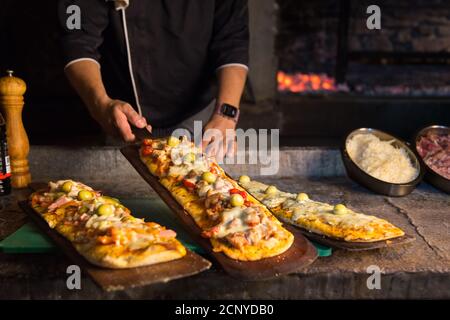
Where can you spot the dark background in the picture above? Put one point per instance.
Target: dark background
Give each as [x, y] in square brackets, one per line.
[53, 113]
[290, 35]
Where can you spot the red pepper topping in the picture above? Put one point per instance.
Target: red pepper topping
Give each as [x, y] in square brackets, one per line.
[188, 184]
[237, 191]
[214, 168]
[147, 142]
[147, 150]
[248, 203]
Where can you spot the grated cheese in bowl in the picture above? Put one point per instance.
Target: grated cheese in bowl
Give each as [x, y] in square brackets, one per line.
[381, 159]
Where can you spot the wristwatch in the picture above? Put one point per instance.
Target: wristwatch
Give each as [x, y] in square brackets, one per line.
[228, 111]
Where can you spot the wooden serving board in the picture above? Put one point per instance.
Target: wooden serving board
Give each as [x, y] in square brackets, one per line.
[121, 279]
[355, 246]
[351, 246]
[301, 254]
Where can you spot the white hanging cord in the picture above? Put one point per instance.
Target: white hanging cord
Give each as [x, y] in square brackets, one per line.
[130, 65]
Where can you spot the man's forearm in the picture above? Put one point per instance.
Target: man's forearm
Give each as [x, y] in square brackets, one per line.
[86, 79]
[231, 85]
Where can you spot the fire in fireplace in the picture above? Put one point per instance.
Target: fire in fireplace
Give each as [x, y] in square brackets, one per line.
[309, 83]
[324, 47]
[301, 82]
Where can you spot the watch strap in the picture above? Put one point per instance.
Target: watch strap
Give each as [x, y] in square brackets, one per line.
[220, 111]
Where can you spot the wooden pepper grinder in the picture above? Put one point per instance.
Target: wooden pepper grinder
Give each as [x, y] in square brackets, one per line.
[12, 90]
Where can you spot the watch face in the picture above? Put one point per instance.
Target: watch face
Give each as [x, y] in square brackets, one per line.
[229, 110]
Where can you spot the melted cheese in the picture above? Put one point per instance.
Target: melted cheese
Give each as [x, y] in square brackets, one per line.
[222, 186]
[317, 210]
[76, 187]
[232, 222]
[321, 217]
[270, 200]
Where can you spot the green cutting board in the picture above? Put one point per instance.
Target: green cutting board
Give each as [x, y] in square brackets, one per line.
[29, 239]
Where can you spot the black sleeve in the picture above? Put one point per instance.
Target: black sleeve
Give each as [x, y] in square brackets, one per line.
[83, 43]
[230, 40]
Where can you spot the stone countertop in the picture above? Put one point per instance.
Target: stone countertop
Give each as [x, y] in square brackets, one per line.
[420, 269]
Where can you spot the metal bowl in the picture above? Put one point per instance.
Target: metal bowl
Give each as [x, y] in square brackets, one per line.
[372, 183]
[431, 176]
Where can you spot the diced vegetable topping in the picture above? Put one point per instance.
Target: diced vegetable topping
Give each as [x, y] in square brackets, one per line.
[147, 142]
[147, 150]
[240, 192]
[59, 195]
[188, 184]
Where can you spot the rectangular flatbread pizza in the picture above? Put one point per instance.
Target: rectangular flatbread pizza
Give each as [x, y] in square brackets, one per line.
[103, 230]
[338, 222]
[235, 222]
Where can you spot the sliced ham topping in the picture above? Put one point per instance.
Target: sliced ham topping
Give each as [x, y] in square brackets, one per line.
[58, 203]
[167, 234]
[435, 151]
[237, 240]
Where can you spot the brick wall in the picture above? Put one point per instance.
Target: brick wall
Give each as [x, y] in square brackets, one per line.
[406, 25]
[307, 35]
[307, 42]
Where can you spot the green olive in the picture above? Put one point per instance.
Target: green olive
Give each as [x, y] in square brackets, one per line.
[209, 177]
[271, 190]
[236, 200]
[106, 209]
[85, 195]
[59, 195]
[67, 186]
[83, 210]
[110, 200]
[302, 196]
[339, 209]
[190, 157]
[173, 141]
[244, 179]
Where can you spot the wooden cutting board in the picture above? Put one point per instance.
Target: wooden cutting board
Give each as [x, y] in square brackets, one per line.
[352, 246]
[356, 246]
[121, 279]
[301, 254]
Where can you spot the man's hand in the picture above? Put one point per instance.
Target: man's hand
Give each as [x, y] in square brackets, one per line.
[221, 141]
[116, 117]
[219, 137]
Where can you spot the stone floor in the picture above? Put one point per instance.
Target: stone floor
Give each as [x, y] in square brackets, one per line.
[420, 269]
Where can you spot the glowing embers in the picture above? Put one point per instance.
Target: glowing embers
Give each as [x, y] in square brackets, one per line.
[305, 83]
